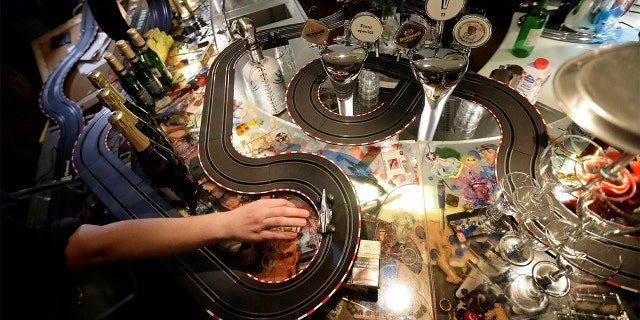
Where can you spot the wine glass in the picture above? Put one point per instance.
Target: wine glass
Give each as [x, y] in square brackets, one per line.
[565, 165]
[580, 258]
[596, 214]
[343, 61]
[518, 247]
[525, 296]
[492, 218]
[610, 207]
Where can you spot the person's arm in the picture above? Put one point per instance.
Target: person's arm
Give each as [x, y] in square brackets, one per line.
[161, 237]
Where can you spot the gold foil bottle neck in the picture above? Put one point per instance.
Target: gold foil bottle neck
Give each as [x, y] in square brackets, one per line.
[110, 100]
[137, 39]
[126, 50]
[136, 139]
[98, 79]
[115, 65]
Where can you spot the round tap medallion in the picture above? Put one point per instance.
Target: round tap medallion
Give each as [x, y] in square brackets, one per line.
[409, 35]
[366, 27]
[472, 31]
[441, 10]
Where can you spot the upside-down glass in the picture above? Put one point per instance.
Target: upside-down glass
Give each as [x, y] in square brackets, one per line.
[516, 247]
[579, 258]
[438, 70]
[564, 167]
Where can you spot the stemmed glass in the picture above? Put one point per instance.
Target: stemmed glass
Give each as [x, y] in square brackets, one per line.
[529, 292]
[518, 247]
[438, 70]
[499, 216]
[607, 191]
[343, 63]
[610, 205]
[579, 258]
[564, 166]
[525, 295]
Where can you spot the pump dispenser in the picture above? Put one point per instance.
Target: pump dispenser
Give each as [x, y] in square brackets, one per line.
[262, 74]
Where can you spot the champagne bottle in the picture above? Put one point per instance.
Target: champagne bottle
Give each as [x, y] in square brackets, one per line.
[140, 70]
[163, 167]
[150, 58]
[531, 30]
[151, 130]
[130, 84]
[99, 81]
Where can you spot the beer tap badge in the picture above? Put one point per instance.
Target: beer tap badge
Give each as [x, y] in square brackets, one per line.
[315, 31]
[366, 27]
[472, 31]
[441, 10]
[409, 35]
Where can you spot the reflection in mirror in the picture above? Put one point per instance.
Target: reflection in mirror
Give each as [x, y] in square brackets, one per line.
[460, 120]
[372, 91]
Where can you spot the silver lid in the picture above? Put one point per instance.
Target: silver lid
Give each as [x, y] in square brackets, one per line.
[600, 91]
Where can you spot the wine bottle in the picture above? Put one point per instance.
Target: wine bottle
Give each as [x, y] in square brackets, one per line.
[162, 166]
[140, 70]
[531, 30]
[151, 130]
[99, 81]
[130, 84]
[150, 58]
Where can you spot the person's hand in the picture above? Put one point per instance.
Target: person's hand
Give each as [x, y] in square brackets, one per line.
[258, 220]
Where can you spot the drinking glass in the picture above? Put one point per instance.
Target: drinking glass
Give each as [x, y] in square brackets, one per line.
[438, 70]
[579, 258]
[565, 165]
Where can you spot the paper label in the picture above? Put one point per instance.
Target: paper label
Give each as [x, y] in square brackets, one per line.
[366, 27]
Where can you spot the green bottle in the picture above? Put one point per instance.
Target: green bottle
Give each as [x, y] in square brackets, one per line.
[151, 59]
[130, 84]
[141, 71]
[531, 30]
[151, 130]
[99, 81]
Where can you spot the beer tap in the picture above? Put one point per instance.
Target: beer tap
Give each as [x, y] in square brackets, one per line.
[343, 61]
[439, 69]
[440, 11]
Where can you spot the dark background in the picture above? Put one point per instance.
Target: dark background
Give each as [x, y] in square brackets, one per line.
[22, 121]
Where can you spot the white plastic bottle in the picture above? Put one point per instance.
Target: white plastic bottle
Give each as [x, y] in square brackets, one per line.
[534, 76]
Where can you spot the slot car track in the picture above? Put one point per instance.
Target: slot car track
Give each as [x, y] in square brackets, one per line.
[305, 173]
[307, 111]
[55, 105]
[208, 274]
